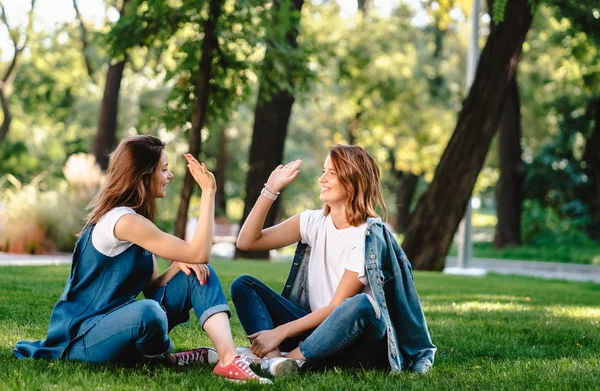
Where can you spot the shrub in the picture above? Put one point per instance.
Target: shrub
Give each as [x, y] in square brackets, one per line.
[38, 221]
[544, 227]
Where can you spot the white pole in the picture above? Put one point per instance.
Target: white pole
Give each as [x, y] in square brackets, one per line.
[465, 247]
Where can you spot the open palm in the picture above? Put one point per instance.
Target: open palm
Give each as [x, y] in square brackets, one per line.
[284, 175]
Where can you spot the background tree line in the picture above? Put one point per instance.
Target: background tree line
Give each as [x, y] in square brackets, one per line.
[248, 84]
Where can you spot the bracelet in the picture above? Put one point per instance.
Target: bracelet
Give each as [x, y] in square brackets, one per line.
[268, 194]
[271, 190]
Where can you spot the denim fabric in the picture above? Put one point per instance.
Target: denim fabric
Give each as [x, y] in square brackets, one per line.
[140, 328]
[261, 308]
[353, 335]
[97, 285]
[361, 340]
[396, 299]
[125, 335]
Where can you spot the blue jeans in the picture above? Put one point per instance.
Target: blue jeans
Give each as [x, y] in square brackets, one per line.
[140, 329]
[352, 335]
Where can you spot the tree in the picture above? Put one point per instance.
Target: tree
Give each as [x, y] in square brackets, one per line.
[279, 77]
[509, 189]
[19, 40]
[209, 45]
[106, 137]
[591, 157]
[441, 208]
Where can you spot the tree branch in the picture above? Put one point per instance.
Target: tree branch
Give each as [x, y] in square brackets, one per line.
[84, 41]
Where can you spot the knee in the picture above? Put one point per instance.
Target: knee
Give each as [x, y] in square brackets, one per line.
[241, 284]
[361, 305]
[152, 315]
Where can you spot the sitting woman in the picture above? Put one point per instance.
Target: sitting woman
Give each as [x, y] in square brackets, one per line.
[97, 318]
[350, 299]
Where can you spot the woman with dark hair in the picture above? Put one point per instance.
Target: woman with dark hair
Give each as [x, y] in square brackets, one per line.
[350, 299]
[97, 318]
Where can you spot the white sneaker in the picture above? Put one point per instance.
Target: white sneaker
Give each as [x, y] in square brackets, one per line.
[246, 352]
[280, 366]
[300, 362]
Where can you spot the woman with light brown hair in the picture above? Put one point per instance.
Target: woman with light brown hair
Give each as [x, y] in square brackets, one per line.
[349, 299]
[97, 318]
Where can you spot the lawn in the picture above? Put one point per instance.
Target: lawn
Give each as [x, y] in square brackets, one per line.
[584, 254]
[497, 332]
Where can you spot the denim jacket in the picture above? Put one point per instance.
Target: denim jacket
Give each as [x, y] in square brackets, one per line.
[396, 299]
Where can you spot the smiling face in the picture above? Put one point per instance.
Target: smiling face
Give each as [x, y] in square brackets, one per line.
[161, 176]
[332, 190]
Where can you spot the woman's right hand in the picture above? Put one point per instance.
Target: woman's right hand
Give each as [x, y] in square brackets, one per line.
[284, 175]
[204, 178]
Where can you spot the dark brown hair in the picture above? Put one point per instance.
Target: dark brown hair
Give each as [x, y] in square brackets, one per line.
[359, 175]
[129, 178]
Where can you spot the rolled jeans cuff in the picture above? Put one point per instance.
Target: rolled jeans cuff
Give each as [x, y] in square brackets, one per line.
[211, 311]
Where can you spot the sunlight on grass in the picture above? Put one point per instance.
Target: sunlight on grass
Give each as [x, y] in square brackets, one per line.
[479, 306]
[577, 312]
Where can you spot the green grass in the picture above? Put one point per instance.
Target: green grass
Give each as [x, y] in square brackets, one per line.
[496, 332]
[588, 255]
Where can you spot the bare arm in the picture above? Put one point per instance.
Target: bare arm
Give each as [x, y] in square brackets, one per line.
[266, 341]
[157, 280]
[141, 231]
[252, 236]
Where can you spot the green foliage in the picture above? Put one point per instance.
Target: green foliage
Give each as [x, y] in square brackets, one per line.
[545, 227]
[566, 253]
[499, 7]
[497, 332]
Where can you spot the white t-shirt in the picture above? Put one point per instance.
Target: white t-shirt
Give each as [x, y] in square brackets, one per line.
[103, 237]
[333, 251]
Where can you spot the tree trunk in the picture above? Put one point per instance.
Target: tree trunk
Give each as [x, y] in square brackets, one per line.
[406, 187]
[363, 6]
[440, 210]
[271, 119]
[6, 110]
[106, 136]
[222, 162]
[591, 157]
[209, 45]
[509, 190]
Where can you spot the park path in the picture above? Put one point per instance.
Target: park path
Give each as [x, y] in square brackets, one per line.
[548, 270]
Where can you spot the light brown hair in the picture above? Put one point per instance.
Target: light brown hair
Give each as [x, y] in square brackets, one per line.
[129, 178]
[359, 175]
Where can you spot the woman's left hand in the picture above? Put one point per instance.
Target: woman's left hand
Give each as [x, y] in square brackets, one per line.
[201, 271]
[265, 341]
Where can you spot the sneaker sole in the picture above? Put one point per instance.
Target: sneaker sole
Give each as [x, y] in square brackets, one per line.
[237, 381]
[287, 367]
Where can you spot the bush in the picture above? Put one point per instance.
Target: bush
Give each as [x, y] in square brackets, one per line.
[544, 227]
[38, 221]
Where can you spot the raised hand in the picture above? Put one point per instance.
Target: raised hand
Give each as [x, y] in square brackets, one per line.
[284, 175]
[204, 178]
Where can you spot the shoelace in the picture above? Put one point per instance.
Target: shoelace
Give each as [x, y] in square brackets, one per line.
[191, 358]
[242, 363]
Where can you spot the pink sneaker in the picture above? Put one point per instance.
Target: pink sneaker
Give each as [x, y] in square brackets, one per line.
[238, 371]
[196, 356]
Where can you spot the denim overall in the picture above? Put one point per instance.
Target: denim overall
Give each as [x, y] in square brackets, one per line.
[101, 292]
